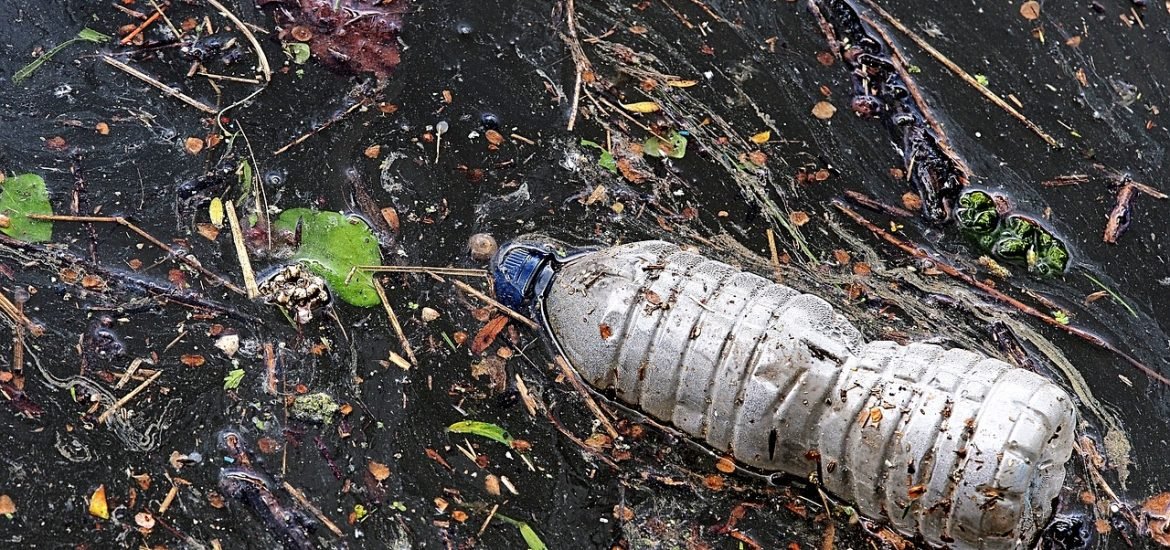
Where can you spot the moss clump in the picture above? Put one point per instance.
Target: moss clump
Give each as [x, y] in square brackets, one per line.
[314, 407]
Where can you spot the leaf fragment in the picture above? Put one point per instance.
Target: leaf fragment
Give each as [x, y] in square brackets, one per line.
[332, 244]
[21, 196]
[762, 137]
[380, 471]
[824, 110]
[233, 379]
[97, 503]
[482, 429]
[642, 107]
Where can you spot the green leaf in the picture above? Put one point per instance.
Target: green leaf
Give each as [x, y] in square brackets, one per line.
[85, 34]
[675, 148]
[1060, 317]
[482, 429]
[244, 170]
[606, 160]
[233, 379]
[530, 537]
[331, 245]
[298, 51]
[982, 80]
[20, 196]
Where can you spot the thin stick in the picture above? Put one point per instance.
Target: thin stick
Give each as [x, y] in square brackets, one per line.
[166, 503]
[129, 372]
[316, 512]
[589, 401]
[631, 118]
[950, 65]
[247, 34]
[454, 271]
[318, 129]
[491, 514]
[876, 205]
[270, 368]
[126, 398]
[577, 441]
[186, 259]
[491, 301]
[17, 315]
[167, 90]
[998, 295]
[158, 9]
[394, 322]
[228, 78]
[775, 255]
[579, 59]
[138, 30]
[242, 251]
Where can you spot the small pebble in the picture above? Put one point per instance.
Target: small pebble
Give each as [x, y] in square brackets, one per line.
[429, 314]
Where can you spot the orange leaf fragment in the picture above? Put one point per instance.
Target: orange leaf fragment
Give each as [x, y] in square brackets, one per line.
[798, 218]
[193, 145]
[97, 503]
[192, 360]
[1030, 10]
[605, 331]
[487, 334]
[378, 470]
[824, 110]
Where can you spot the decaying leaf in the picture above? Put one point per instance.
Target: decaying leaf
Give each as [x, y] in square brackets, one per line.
[486, 335]
[642, 107]
[7, 507]
[824, 110]
[363, 43]
[97, 503]
[331, 245]
[378, 470]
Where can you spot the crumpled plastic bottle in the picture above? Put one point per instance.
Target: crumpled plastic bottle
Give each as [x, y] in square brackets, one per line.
[950, 445]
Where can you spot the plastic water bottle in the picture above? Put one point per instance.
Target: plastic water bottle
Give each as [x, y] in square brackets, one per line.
[950, 445]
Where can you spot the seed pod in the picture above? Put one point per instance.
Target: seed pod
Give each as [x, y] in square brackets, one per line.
[950, 445]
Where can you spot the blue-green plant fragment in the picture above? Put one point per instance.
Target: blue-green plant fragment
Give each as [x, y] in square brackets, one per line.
[606, 160]
[84, 35]
[482, 429]
[331, 245]
[20, 196]
[298, 51]
[530, 537]
[674, 147]
[1013, 238]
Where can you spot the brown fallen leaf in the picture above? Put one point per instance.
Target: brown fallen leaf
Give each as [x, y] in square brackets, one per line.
[494, 138]
[798, 218]
[1157, 511]
[372, 152]
[605, 331]
[911, 201]
[725, 464]
[102, 128]
[192, 360]
[378, 470]
[207, 231]
[7, 507]
[193, 145]
[824, 110]
[487, 334]
[642, 107]
[682, 83]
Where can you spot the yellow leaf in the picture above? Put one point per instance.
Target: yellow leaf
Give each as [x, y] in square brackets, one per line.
[217, 212]
[642, 107]
[682, 83]
[762, 137]
[97, 504]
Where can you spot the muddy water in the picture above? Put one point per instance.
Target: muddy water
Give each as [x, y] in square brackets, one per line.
[507, 68]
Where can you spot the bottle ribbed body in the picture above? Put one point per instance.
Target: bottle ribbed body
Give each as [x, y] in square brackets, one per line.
[954, 446]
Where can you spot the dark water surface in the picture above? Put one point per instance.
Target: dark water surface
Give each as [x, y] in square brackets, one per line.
[506, 67]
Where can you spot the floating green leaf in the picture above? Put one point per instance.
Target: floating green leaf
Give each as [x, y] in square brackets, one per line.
[675, 147]
[331, 245]
[233, 379]
[530, 537]
[86, 35]
[20, 196]
[606, 160]
[1012, 238]
[482, 429]
[298, 51]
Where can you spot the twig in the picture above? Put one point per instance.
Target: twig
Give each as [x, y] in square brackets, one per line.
[588, 397]
[775, 255]
[878, 206]
[998, 295]
[228, 78]
[17, 315]
[450, 271]
[491, 515]
[138, 30]
[950, 65]
[323, 126]
[1119, 217]
[129, 372]
[242, 251]
[300, 497]
[579, 60]
[631, 118]
[394, 322]
[167, 90]
[186, 259]
[247, 34]
[126, 398]
[158, 9]
[1061, 181]
[577, 441]
[826, 29]
[166, 503]
[270, 368]
[491, 301]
